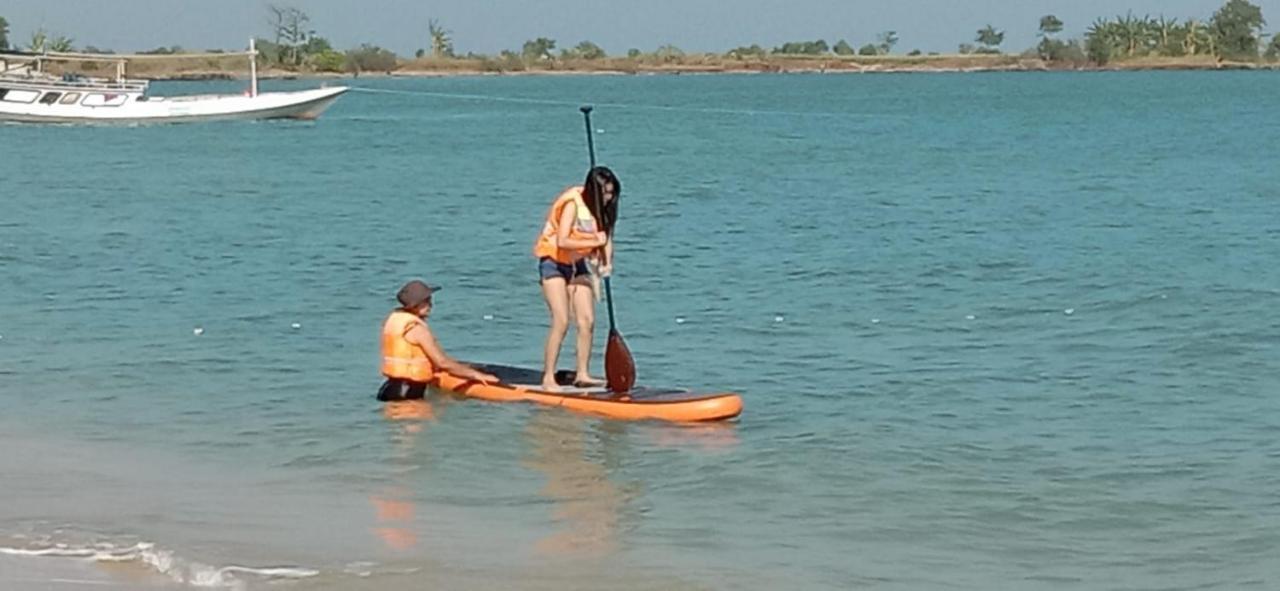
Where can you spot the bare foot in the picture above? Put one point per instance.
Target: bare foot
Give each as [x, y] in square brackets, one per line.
[549, 384]
[584, 380]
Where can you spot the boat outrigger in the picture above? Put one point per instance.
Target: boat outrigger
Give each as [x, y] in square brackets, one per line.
[29, 93]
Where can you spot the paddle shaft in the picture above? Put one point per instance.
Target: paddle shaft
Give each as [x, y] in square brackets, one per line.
[591, 151]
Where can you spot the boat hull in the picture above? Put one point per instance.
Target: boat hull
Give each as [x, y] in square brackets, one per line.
[304, 104]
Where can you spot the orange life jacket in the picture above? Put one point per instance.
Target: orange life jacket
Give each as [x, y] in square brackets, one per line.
[400, 358]
[583, 228]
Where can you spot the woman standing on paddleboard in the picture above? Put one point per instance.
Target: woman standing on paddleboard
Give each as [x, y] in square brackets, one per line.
[579, 226]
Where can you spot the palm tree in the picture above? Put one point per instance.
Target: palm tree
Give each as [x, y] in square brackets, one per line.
[1133, 33]
[990, 38]
[1049, 25]
[441, 42]
[1102, 41]
[1199, 39]
[1195, 37]
[887, 40]
[1165, 30]
[39, 39]
[61, 44]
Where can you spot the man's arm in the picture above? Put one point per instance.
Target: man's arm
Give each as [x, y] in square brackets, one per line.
[421, 336]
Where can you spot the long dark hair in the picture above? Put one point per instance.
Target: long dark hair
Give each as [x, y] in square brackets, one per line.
[593, 194]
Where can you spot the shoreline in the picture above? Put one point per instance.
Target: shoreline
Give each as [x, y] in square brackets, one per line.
[431, 68]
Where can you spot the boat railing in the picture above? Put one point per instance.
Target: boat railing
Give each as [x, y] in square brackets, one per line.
[36, 62]
[127, 85]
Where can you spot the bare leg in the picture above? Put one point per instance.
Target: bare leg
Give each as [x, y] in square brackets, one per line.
[557, 296]
[584, 315]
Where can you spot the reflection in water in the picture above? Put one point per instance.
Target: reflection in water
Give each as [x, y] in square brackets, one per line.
[394, 511]
[719, 436]
[582, 460]
[588, 504]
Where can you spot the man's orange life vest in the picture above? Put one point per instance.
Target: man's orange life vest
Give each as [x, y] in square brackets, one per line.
[400, 358]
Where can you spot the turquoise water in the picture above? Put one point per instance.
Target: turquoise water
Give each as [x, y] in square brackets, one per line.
[991, 330]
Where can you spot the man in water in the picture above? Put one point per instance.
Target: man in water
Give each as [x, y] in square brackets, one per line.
[411, 357]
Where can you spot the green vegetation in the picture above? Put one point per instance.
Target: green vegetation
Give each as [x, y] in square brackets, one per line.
[537, 50]
[738, 52]
[1049, 45]
[441, 40]
[171, 50]
[291, 33]
[370, 58]
[1234, 33]
[1236, 27]
[41, 41]
[583, 51]
[818, 47]
[990, 39]
[887, 40]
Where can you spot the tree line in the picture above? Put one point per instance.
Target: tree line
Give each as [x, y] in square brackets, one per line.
[1233, 32]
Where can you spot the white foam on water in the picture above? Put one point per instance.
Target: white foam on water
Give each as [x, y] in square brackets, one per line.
[360, 569]
[167, 564]
[55, 551]
[364, 569]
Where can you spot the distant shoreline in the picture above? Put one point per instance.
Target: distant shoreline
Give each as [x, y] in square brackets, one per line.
[180, 70]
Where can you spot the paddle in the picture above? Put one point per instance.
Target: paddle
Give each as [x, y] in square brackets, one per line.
[619, 367]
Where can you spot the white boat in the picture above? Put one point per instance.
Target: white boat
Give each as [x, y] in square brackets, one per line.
[29, 94]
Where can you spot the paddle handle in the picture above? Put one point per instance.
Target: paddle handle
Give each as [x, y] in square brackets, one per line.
[591, 152]
[608, 296]
[591, 144]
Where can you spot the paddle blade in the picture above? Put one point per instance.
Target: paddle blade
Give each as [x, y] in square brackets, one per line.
[619, 367]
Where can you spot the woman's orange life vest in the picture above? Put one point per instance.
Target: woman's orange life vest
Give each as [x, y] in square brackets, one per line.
[584, 228]
[400, 358]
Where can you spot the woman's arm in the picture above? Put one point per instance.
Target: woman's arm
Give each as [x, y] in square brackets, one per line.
[565, 230]
[606, 266]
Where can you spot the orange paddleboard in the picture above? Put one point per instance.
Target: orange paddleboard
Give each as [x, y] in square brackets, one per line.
[641, 403]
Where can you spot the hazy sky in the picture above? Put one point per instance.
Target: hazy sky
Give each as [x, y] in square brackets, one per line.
[488, 26]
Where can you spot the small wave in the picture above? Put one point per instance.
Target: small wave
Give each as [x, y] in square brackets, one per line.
[166, 563]
[55, 551]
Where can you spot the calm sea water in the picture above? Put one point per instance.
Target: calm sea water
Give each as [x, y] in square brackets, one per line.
[992, 331]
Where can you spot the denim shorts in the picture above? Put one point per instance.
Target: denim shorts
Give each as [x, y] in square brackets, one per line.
[549, 269]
